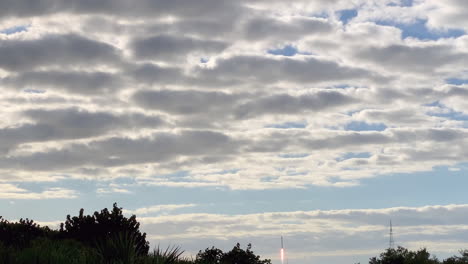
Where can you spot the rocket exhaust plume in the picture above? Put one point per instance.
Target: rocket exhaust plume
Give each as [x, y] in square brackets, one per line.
[282, 251]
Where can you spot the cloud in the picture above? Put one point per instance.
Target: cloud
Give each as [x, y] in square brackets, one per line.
[71, 123]
[155, 94]
[171, 48]
[61, 51]
[117, 151]
[447, 15]
[76, 82]
[261, 29]
[319, 228]
[258, 69]
[162, 208]
[286, 104]
[419, 59]
[182, 8]
[186, 102]
[91, 91]
[13, 192]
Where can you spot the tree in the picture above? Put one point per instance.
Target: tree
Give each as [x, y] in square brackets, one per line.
[92, 230]
[20, 234]
[236, 256]
[402, 255]
[209, 256]
[463, 259]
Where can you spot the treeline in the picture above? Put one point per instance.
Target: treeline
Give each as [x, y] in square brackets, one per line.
[105, 237]
[402, 255]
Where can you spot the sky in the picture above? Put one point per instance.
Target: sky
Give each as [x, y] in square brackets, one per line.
[219, 121]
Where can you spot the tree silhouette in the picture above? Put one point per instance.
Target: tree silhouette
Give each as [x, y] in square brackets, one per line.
[20, 234]
[463, 259]
[236, 256]
[402, 255]
[92, 229]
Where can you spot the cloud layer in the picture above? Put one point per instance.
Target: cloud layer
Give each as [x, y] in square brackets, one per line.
[234, 95]
[91, 86]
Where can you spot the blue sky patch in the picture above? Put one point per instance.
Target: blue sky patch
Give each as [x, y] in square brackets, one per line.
[419, 30]
[456, 81]
[233, 171]
[450, 114]
[34, 91]
[341, 86]
[363, 126]
[288, 125]
[354, 155]
[346, 15]
[287, 50]
[14, 30]
[406, 3]
[293, 155]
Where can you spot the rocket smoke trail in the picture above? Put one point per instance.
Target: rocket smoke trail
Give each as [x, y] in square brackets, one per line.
[282, 251]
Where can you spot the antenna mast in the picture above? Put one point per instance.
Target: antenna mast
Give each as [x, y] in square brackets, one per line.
[391, 243]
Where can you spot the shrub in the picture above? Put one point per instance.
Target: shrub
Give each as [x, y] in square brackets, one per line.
[237, 255]
[20, 234]
[92, 229]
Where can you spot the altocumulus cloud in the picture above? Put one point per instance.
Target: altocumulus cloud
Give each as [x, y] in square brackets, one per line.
[179, 94]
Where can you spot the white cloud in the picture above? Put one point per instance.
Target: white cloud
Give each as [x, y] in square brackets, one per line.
[93, 92]
[10, 191]
[162, 208]
[310, 234]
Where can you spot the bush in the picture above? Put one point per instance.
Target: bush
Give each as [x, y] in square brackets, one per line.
[20, 234]
[47, 251]
[168, 256]
[91, 230]
[237, 255]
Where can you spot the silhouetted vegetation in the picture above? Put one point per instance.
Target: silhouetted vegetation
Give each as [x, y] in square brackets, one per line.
[108, 231]
[402, 255]
[20, 234]
[236, 255]
[108, 237]
[105, 237]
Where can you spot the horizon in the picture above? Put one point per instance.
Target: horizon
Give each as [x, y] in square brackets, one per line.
[218, 121]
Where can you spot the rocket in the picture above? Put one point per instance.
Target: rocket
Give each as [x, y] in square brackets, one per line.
[282, 242]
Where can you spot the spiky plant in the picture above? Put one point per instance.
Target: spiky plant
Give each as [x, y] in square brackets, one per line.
[170, 255]
[118, 248]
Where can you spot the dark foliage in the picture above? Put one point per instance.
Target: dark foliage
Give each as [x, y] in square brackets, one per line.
[105, 225]
[236, 256]
[463, 259]
[20, 234]
[210, 256]
[402, 255]
[47, 251]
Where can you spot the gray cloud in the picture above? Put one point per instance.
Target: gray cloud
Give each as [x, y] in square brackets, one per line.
[72, 123]
[154, 74]
[239, 106]
[186, 102]
[287, 104]
[117, 151]
[413, 227]
[421, 59]
[73, 82]
[261, 29]
[55, 50]
[266, 70]
[183, 8]
[169, 48]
